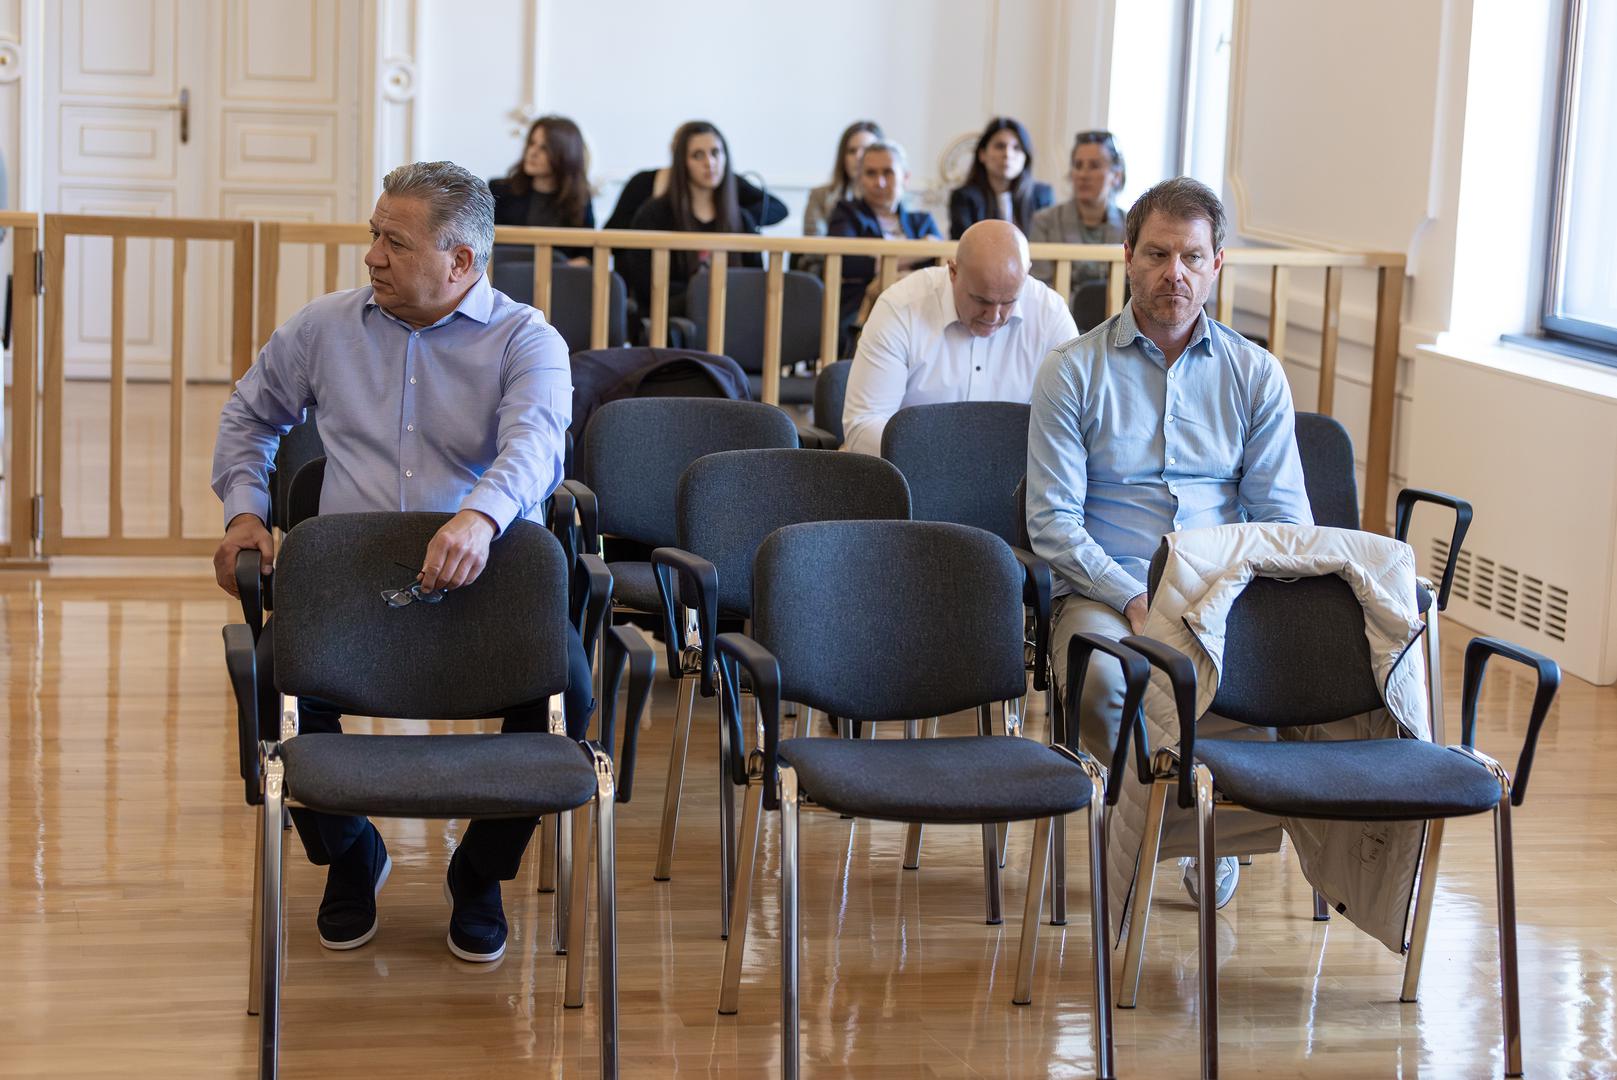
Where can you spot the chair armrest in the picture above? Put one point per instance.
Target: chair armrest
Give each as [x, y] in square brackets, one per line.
[698, 588]
[589, 514]
[682, 333]
[596, 581]
[624, 644]
[251, 586]
[1136, 673]
[1036, 595]
[737, 651]
[810, 437]
[561, 518]
[241, 662]
[1407, 498]
[1182, 676]
[1477, 654]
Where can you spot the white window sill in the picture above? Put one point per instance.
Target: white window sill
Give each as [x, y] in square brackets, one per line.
[1534, 365]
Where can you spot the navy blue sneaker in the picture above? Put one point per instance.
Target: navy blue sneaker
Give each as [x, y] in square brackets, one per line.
[477, 923]
[347, 917]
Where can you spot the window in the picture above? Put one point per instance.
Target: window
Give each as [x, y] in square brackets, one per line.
[1580, 301]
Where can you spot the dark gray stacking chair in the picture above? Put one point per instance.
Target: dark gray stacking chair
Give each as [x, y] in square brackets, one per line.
[830, 393]
[919, 619]
[746, 293]
[726, 504]
[1295, 654]
[494, 645]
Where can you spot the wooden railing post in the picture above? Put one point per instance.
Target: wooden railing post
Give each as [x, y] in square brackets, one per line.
[831, 312]
[1329, 333]
[115, 466]
[176, 397]
[774, 319]
[1063, 281]
[600, 295]
[1279, 286]
[240, 235]
[269, 278]
[1116, 277]
[1383, 396]
[659, 298]
[718, 287]
[24, 396]
[543, 266]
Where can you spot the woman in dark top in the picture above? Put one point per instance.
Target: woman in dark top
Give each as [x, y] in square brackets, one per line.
[548, 186]
[1000, 184]
[701, 197]
[877, 214]
[648, 184]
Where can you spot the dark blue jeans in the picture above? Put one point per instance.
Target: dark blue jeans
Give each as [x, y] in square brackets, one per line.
[493, 847]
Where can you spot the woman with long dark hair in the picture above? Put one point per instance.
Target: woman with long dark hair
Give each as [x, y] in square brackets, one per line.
[1000, 184]
[701, 197]
[824, 200]
[548, 185]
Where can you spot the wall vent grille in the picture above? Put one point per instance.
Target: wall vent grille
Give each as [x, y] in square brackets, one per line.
[1507, 591]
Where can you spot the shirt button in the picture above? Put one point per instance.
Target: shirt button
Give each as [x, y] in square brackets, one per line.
[407, 472]
[1173, 461]
[412, 380]
[1170, 415]
[416, 334]
[409, 427]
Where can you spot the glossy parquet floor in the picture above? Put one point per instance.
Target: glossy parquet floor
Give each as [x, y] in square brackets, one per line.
[125, 870]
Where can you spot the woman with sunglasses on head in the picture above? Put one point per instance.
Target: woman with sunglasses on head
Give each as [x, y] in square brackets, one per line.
[1000, 184]
[1091, 216]
[701, 197]
[548, 187]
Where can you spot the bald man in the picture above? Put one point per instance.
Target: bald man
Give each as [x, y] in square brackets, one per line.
[974, 330]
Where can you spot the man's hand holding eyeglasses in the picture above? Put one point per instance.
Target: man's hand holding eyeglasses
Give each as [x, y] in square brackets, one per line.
[245, 532]
[458, 552]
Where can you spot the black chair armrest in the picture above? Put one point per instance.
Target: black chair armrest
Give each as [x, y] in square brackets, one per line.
[303, 493]
[623, 643]
[1405, 510]
[698, 588]
[589, 514]
[241, 661]
[1136, 673]
[1477, 654]
[810, 437]
[1182, 676]
[561, 518]
[250, 586]
[736, 651]
[567, 454]
[596, 582]
[1036, 595]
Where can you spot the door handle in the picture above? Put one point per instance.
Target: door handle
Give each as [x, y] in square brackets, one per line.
[183, 107]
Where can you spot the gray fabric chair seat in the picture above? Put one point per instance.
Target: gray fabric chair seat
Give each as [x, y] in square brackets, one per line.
[952, 781]
[634, 586]
[1351, 779]
[520, 774]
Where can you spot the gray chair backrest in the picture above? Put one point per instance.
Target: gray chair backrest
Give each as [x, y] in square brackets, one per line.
[890, 620]
[830, 393]
[635, 450]
[1089, 305]
[1326, 450]
[963, 461]
[571, 300]
[492, 645]
[729, 502]
[298, 447]
[745, 294]
[1294, 652]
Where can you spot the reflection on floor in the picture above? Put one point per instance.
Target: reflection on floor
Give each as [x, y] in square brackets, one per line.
[125, 869]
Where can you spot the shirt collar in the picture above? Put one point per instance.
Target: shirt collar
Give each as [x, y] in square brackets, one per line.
[477, 304]
[1128, 331]
[951, 314]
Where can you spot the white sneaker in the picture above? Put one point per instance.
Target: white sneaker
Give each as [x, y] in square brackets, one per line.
[1225, 877]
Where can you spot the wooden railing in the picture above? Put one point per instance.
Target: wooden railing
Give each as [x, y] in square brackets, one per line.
[21, 462]
[1389, 268]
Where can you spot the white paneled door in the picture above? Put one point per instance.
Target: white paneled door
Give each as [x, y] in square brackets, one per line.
[193, 108]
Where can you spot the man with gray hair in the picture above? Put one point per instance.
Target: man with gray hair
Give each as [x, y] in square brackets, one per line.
[974, 330]
[1158, 419]
[435, 393]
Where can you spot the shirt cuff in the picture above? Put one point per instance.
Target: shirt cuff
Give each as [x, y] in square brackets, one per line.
[1116, 588]
[499, 507]
[246, 499]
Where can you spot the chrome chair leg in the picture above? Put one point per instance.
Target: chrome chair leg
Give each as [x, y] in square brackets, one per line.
[269, 1005]
[992, 892]
[1434, 674]
[1011, 725]
[727, 828]
[1423, 911]
[1058, 872]
[676, 778]
[606, 918]
[577, 886]
[1322, 910]
[255, 943]
[564, 876]
[735, 947]
[1206, 934]
[1100, 928]
[1038, 862]
[1244, 860]
[1145, 876]
[1510, 1007]
[547, 853]
[790, 1049]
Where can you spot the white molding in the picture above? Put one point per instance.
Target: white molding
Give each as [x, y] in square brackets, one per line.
[394, 120]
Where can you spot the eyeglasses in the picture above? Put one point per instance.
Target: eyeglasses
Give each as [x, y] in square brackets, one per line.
[1103, 137]
[408, 594]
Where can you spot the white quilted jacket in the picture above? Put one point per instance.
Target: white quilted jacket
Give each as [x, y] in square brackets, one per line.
[1365, 869]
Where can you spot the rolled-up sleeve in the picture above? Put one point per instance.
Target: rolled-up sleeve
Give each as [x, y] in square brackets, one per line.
[1057, 479]
[536, 407]
[1272, 487]
[877, 379]
[265, 404]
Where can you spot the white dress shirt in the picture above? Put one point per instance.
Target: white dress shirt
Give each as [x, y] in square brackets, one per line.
[915, 351]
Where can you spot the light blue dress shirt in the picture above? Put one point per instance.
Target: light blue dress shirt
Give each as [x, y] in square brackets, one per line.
[1123, 449]
[469, 413]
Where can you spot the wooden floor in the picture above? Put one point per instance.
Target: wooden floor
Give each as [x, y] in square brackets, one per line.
[125, 871]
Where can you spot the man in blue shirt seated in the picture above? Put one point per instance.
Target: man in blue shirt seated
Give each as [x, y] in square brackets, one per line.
[1158, 419]
[435, 393]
